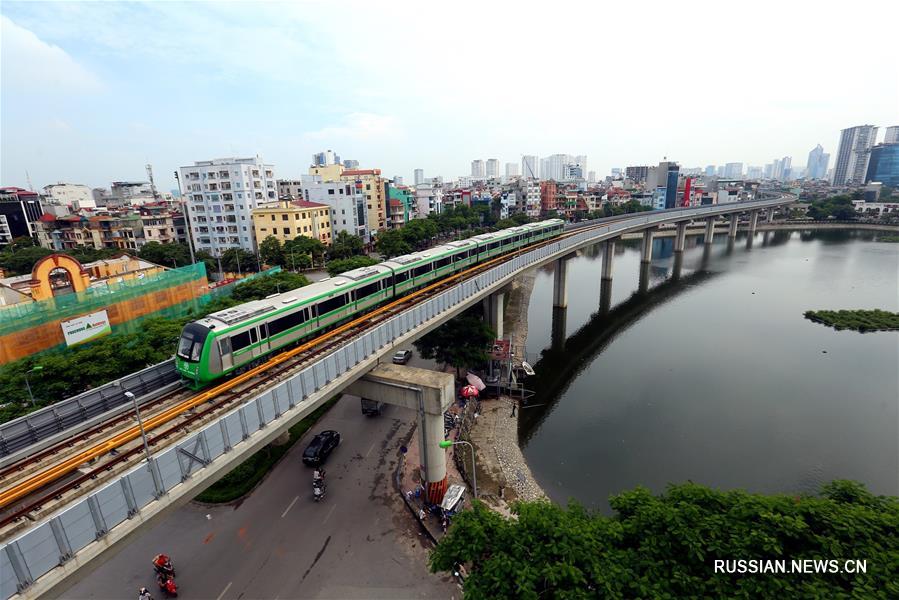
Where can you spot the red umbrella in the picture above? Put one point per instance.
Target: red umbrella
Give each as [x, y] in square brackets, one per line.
[469, 391]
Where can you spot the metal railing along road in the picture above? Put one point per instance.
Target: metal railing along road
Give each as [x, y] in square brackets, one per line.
[57, 538]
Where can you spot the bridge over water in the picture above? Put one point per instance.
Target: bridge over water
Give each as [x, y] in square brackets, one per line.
[52, 546]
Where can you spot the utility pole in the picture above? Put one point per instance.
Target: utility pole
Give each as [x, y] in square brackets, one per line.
[190, 242]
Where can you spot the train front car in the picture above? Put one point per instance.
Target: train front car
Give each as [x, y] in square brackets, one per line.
[190, 356]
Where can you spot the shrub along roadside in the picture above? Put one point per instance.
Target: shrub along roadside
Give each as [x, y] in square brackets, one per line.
[244, 477]
[857, 320]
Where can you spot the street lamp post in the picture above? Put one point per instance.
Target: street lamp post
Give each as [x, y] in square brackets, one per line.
[140, 423]
[474, 472]
[28, 385]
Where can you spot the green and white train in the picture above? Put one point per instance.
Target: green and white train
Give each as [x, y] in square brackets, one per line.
[233, 339]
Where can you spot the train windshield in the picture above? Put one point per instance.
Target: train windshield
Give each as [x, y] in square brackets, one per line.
[192, 339]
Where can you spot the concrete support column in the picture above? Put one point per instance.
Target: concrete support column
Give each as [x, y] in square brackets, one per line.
[493, 307]
[605, 295]
[770, 215]
[608, 254]
[646, 255]
[560, 284]
[557, 332]
[678, 266]
[643, 284]
[753, 222]
[680, 240]
[709, 230]
[734, 221]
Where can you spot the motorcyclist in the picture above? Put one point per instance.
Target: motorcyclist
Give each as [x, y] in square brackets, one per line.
[318, 475]
[163, 564]
[144, 594]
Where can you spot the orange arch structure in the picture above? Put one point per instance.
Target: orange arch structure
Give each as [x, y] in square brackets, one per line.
[40, 275]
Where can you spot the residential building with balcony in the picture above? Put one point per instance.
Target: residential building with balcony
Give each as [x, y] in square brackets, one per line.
[19, 210]
[72, 195]
[400, 205]
[162, 224]
[370, 183]
[124, 231]
[346, 201]
[428, 199]
[220, 195]
[288, 219]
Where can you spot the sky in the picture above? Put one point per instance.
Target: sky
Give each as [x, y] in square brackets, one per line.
[91, 92]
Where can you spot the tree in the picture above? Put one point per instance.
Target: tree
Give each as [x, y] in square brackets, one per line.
[260, 287]
[342, 265]
[460, 342]
[345, 245]
[167, 255]
[521, 218]
[419, 232]
[206, 258]
[666, 545]
[238, 260]
[391, 243]
[304, 245]
[21, 262]
[845, 213]
[271, 252]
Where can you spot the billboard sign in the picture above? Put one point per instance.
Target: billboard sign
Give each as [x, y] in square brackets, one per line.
[86, 328]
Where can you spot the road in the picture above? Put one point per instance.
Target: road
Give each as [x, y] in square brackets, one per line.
[360, 542]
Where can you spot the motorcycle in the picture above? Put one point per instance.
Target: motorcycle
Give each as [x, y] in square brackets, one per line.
[318, 490]
[162, 564]
[167, 584]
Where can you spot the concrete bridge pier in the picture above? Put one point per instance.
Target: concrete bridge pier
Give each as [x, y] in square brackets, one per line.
[646, 255]
[608, 255]
[605, 296]
[734, 221]
[557, 332]
[428, 393]
[753, 221]
[709, 230]
[678, 266]
[680, 240]
[643, 284]
[493, 312]
[560, 283]
[770, 215]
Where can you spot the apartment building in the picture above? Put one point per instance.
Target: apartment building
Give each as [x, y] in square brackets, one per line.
[370, 183]
[124, 231]
[346, 201]
[221, 195]
[287, 219]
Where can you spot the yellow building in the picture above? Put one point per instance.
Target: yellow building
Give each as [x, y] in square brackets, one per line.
[372, 187]
[327, 172]
[287, 219]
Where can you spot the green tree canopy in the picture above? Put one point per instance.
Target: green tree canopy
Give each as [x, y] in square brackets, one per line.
[391, 243]
[21, 261]
[461, 342]
[167, 255]
[271, 252]
[260, 287]
[345, 245]
[342, 265]
[303, 245]
[238, 260]
[665, 546]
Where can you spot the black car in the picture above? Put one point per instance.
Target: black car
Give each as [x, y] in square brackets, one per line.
[320, 447]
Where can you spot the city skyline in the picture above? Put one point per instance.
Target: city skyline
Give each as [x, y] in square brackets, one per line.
[145, 88]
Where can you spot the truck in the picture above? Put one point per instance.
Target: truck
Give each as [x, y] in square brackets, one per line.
[371, 408]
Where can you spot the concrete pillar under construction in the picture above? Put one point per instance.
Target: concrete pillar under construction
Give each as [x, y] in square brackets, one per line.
[680, 240]
[770, 218]
[560, 284]
[608, 255]
[709, 230]
[732, 229]
[646, 254]
[753, 222]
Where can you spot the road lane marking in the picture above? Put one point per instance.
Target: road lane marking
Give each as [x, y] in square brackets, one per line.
[328, 516]
[370, 449]
[289, 507]
[224, 591]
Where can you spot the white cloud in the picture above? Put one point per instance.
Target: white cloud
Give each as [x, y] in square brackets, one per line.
[357, 126]
[30, 63]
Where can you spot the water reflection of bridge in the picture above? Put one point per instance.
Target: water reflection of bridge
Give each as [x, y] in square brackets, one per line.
[560, 364]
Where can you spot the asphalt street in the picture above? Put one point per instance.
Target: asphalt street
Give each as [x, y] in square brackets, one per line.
[359, 542]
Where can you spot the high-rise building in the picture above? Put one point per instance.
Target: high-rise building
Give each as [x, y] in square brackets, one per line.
[492, 168]
[478, 169]
[710, 170]
[511, 169]
[419, 176]
[351, 164]
[637, 174]
[753, 172]
[853, 154]
[782, 168]
[883, 167]
[892, 135]
[323, 159]
[19, 210]
[733, 170]
[559, 167]
[720, 171]
[816, 167]
[662, 182]
[221, 195]
[529, 166]
[591, 176]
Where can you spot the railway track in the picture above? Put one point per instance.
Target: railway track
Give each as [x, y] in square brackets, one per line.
[117, 441]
